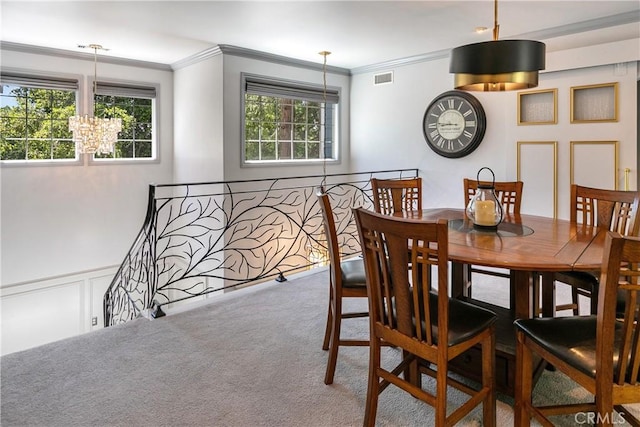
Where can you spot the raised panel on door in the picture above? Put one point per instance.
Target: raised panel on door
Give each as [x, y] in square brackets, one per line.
[538, 170]
[594, 164]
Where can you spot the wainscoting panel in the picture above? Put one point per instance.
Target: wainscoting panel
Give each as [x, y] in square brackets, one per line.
[538, 169]
[97, 287]
[40, 312]
[594, 164]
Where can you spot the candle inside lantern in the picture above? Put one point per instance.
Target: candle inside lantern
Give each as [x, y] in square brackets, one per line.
[485, 212]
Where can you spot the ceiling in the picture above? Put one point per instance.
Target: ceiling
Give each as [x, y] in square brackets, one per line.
[358, 33]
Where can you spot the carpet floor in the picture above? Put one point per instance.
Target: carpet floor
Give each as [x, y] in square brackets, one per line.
[250, 358]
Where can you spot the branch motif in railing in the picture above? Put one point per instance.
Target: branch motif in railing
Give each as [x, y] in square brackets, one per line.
[209, 237]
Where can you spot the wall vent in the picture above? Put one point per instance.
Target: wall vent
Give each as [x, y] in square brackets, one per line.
[383, 78]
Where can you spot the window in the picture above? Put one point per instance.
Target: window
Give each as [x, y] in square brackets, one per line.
[135, 105]
[34, 118]
[288, 122]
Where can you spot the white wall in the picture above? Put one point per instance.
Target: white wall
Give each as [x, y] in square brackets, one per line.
[386, 122]
[65, 219]
[198, 122]
[65, 228]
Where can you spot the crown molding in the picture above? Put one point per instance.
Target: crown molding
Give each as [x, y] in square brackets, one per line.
[198, 57]
[581, 27]
[242, 52]
[549, 33]
[40, 50]
[432, 56]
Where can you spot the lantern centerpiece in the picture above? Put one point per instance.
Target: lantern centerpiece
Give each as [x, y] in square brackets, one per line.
[484, 209]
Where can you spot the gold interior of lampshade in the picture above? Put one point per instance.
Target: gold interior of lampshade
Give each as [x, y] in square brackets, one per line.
[496, 82]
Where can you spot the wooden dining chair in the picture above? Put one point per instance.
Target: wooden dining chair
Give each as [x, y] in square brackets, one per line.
[346, 280]
[429, 327]
[598, 352]
[613, 210]
[509, 193]
[396, 195]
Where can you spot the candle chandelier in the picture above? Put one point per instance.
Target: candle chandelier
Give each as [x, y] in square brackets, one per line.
[94, 134]
[497, 65]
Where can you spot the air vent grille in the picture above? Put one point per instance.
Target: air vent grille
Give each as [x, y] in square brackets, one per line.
[383, 78]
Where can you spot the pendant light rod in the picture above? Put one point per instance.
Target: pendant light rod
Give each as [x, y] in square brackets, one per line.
[496, 26]
[95, 48]
[324, 54]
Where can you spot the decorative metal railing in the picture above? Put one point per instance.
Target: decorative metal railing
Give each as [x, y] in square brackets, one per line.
[209, 237]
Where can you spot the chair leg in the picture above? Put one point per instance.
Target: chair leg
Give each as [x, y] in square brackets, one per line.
[334, 342]
[373, 387]
[604, 411]
[441, 393]
[523, 383]
[489, 380]
[327, 331]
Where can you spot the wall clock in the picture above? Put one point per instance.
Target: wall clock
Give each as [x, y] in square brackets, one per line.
[454, 124]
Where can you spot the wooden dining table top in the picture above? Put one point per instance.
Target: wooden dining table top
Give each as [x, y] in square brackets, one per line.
[538, 243]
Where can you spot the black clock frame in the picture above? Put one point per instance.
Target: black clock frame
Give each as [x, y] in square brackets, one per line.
[481, 124]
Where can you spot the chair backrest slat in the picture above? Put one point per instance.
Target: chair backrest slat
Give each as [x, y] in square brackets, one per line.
[615, 210]
[396, 195]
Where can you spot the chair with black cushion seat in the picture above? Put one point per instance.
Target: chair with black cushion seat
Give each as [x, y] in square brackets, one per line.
[613, 210]
[429, 327]
[346, 280]
[599, 352]
[509, 193]
[396, 195]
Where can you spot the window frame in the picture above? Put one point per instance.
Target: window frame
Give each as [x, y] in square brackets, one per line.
[294, 85]
[35, 75]
[111, 86]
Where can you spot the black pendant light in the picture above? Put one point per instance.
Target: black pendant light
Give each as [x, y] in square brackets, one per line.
[497, 65]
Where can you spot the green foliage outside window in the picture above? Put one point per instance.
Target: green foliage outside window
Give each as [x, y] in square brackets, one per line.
[34, 123]
[282, 129]
[135, 140]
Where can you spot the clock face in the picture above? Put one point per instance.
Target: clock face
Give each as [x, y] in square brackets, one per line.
[454, 124]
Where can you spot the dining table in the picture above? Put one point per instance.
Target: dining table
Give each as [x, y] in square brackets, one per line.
[532, 248]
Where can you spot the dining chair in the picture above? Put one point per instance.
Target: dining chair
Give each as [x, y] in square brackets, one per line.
[599, 352]
[396, 195]
[614, 210]
[429, 327]
[509, 193]
[346, 280]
